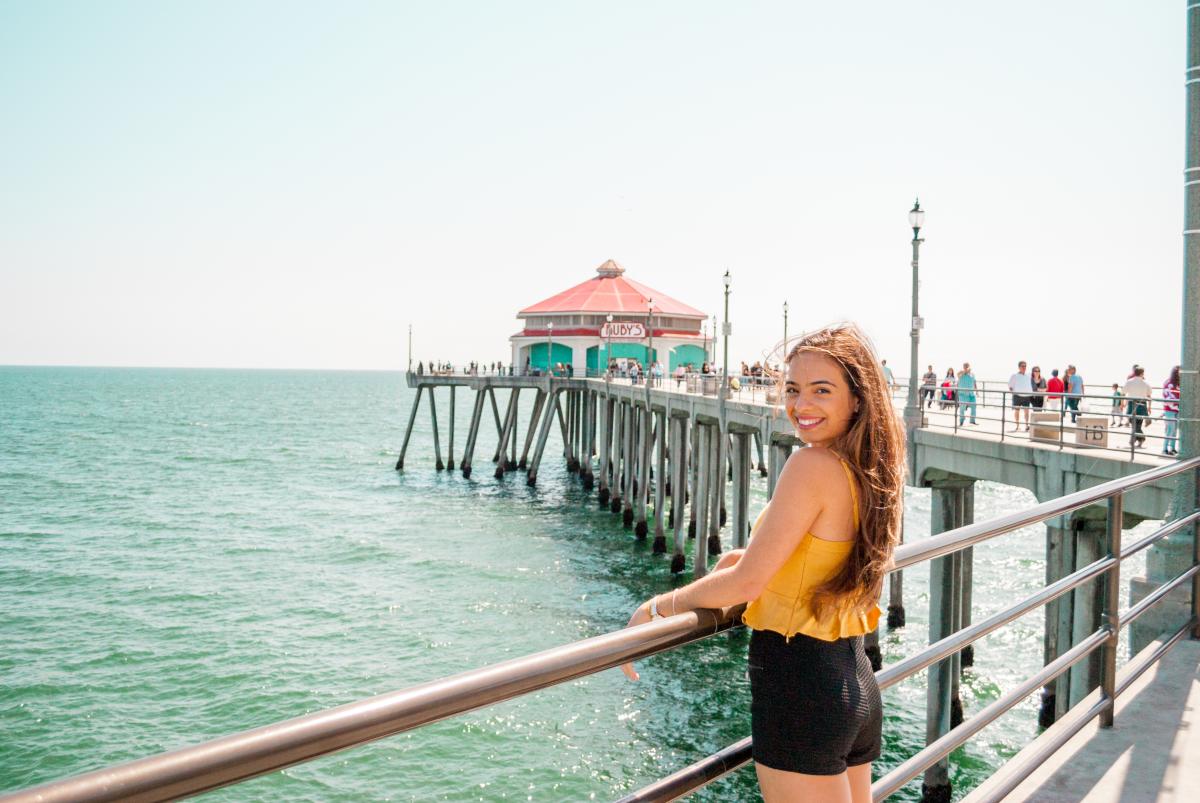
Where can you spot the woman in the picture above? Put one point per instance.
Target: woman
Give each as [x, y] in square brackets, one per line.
[948, 386]
[1170, 394]
[813, 573]
[1039, 388]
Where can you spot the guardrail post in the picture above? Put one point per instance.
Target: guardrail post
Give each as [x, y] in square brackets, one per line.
[1087, 602]
[1112, 604]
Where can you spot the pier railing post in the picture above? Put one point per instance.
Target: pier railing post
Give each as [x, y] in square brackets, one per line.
[1112, 604]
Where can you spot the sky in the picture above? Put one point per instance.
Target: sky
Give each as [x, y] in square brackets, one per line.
[292, 185]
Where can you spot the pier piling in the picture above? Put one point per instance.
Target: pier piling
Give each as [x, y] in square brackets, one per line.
[701, 453]
[679, 486]
[660, 481]
[450, 454]
[437, 445]
[412, 417]
[473, 433]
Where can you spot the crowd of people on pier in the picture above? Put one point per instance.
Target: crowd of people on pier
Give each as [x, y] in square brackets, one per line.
[1129, 404]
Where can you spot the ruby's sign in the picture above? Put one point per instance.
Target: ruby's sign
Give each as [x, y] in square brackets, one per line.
[623, 330]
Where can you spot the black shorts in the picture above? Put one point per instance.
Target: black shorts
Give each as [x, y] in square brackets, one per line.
[1021, 401]
[815, 705]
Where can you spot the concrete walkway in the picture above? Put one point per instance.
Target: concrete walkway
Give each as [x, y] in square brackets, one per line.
[1151, 754]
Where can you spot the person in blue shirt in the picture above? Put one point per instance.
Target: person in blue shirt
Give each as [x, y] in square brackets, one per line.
[966, 393]
[1074, 391]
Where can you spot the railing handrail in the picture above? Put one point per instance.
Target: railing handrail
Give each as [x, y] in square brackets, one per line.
[254, 752]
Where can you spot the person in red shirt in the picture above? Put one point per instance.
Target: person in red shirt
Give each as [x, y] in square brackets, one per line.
[1054, 390]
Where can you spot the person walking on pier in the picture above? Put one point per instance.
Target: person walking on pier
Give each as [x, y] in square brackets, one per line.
[1137, 391]
[966, 394]
[1170, 393]
[812, 575]
[1022, 390]
[1039, 388]
[1074, 391]
[1054, 391]
[928, 387]
[887, 374]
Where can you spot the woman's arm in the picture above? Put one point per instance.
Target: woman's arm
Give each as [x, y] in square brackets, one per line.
[798, 500]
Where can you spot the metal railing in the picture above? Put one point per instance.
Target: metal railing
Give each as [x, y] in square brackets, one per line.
[245, 755]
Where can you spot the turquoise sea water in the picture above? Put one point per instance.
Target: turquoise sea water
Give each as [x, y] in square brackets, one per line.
[187, 553]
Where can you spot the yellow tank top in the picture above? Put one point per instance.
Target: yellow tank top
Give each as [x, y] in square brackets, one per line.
[784, 605]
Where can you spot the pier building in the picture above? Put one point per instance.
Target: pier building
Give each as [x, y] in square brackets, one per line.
[609, 316]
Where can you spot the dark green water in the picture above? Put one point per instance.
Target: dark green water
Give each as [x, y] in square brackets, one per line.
[187, 553]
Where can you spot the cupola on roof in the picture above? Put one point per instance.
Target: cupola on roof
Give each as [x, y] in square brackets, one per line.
[609, 291]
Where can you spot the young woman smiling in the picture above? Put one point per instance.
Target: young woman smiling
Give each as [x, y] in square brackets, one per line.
[813, 573]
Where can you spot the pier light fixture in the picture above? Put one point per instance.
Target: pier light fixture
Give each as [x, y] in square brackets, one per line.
[726, 330]
[916, 218]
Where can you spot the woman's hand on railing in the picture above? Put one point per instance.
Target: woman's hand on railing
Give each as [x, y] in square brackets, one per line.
[641, 615]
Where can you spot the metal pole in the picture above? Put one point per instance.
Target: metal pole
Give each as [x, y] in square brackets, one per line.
[1112, 605]
[410, 348]
[912, 410]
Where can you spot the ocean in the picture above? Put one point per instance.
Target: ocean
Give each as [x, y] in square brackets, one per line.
[188, 553]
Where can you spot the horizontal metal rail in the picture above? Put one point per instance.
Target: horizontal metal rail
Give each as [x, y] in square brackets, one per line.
[972, 534]
[942, 747]
[244, 755]
[229, 759]
[1010, 776]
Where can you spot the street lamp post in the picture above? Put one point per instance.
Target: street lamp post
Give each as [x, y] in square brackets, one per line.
[718, 476]
[913, 419]
[649, 348]
[785, 347]
[549, 347]
[410, 348]
[711, 366]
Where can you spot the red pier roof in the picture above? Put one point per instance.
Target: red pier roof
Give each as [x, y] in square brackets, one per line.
[610, 291]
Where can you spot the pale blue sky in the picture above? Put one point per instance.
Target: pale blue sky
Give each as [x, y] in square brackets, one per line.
[290, 185]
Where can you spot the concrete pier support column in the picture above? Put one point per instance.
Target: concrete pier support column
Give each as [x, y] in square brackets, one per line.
[944, 600]
[1090, 528]
[966, 578]
[660, 482]
[551, 407]
[779, 454]
[587, 448]
[679, 462]
[741, 488]
[758, 445]
[473, 433]
[511, 463]
[629, 464]
[645, 436]
[604, 439]
[412, 417]
[693, 473]
[502, 428]
[716, 488]
[702, 454]
[506, 431]
[895, 608]
[616, 481]
[534, 418]
[437, 445]
[450, 451]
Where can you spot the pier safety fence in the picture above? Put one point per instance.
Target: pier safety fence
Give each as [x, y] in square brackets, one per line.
[240, 756]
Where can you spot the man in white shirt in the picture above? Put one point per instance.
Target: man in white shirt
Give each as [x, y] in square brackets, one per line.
[1137, 392]
[1022, 395]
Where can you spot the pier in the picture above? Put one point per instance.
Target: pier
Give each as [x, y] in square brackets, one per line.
[663, 457]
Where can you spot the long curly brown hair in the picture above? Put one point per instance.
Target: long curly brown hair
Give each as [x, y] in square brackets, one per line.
[874, 448]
